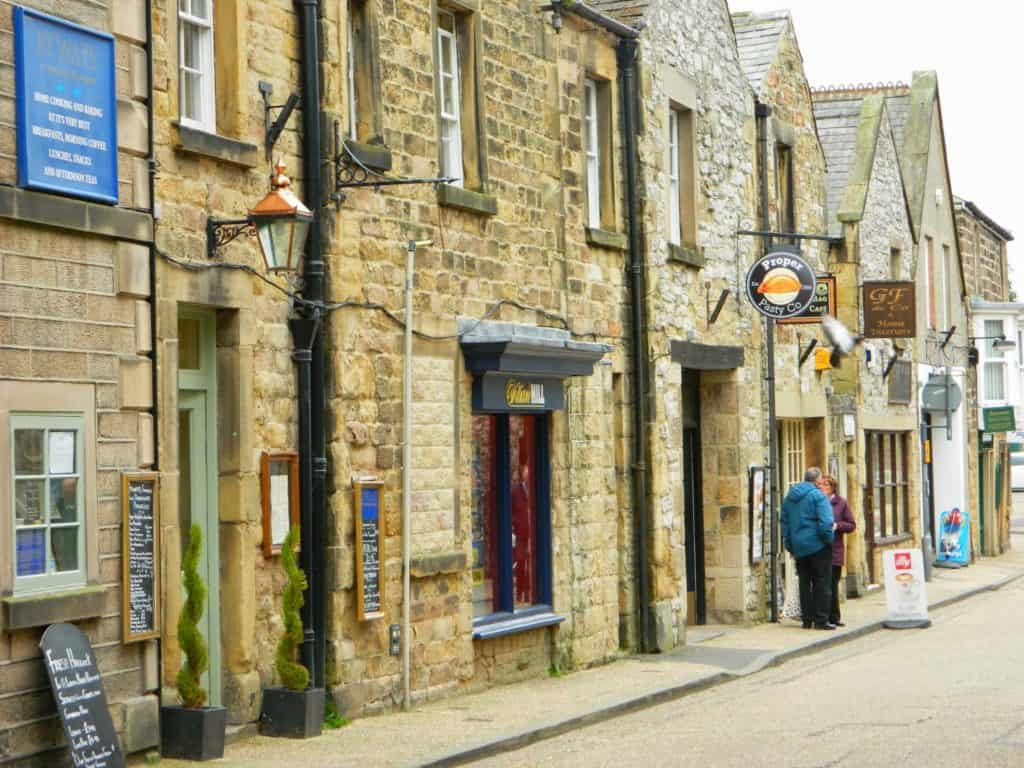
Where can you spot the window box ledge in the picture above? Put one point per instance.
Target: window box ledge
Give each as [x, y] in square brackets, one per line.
[466, 200]
[500, 627]
[605, 239]
[196, 142]
[691, 255]
[53, 607]
[888, 540]
[376, 157]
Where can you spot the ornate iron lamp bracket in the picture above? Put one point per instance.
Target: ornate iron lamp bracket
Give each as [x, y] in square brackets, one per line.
[220, 232]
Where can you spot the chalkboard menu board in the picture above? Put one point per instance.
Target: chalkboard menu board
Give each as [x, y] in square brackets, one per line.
[369, 549]
[140, 556]
[78, 691]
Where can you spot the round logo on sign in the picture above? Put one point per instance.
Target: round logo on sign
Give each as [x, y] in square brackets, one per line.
[780, 285]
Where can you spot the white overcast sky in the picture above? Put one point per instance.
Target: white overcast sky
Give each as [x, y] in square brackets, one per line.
[978, 51]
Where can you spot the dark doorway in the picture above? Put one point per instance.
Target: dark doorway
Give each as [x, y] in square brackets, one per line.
[693, 500]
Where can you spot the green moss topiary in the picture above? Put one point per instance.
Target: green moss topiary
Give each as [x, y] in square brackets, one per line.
[294, 676]
[190, 639]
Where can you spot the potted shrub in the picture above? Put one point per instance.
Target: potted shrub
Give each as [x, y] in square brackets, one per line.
[192, 731]
[293, 710]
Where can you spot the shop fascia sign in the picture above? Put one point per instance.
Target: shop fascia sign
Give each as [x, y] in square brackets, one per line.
[999, 419]
[781, 284]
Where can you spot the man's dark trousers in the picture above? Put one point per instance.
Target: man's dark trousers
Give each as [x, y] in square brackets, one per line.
[815, 573]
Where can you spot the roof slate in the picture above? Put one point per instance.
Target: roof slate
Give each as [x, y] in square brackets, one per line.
[757, 38]
[626, 11]
[838, 121]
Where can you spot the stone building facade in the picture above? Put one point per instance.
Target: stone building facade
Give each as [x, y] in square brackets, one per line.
[76, 374]
[707, 424]
[942, 338]
[794, 165]
[868, 213]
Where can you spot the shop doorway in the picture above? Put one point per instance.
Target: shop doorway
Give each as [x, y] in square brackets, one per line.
[693, 501]
[197, 465]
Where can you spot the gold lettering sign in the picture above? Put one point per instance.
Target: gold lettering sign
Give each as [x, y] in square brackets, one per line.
[521, 394]
[889, 310]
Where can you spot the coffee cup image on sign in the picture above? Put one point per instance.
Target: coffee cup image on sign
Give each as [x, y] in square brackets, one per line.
[780, 286]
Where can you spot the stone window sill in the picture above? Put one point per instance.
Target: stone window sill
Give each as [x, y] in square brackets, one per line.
[53, 607]
[605, 239]
[501, 625]
[195, 142]
[691, 255]
[376, 157]
[466, 200]
[437, 564]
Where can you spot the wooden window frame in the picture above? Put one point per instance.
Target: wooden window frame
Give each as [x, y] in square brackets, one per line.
[675, 205]
[504, 607]
[893, 518]
[784, 191]
[592, 152]
[465, 35]
[363, 106]
[993, 358]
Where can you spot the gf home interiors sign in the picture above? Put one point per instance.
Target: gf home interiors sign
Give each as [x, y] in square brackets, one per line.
[66, 111]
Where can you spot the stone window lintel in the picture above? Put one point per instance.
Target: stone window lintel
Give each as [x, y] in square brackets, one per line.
[195, 142]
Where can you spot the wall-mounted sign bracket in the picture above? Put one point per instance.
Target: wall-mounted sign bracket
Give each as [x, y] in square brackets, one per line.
[889, 367]
[351, 173]
[947, 335]
[807, 352]
[272, 129]
[722, 297]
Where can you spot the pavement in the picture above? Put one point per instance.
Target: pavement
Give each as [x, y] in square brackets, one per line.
[462, 729]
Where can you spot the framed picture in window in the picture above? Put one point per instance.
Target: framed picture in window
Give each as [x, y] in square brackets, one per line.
[279, 482]
[756, 507]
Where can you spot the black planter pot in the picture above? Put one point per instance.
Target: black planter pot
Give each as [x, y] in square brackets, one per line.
[193, 734]
[292, 714]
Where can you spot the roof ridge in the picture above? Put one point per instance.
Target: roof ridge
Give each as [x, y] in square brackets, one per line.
[845, 91]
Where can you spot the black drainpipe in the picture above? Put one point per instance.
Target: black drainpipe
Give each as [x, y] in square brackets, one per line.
[761, 113]
[627, 50]
[314, 462]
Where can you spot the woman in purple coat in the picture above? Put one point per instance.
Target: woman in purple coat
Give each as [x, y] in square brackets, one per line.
[844, 523]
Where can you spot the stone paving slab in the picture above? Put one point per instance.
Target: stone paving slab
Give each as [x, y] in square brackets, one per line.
[458, 730]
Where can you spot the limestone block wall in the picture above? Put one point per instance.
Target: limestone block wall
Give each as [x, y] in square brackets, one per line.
[76, 337]
[984, 257]
[514, 250]
[689, 52]
[221, 175]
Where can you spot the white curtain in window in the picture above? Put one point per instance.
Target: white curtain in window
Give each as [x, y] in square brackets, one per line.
[591, 148]
[674, 224]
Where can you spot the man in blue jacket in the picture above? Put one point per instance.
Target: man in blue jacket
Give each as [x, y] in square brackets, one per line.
[808, 528]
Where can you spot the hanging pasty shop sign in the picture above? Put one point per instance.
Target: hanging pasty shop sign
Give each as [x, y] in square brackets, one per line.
[781, 284]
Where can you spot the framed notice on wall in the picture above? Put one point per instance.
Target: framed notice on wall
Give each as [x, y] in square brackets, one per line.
[140, 556]
[756, 508]
[369, 549]
[279, 489]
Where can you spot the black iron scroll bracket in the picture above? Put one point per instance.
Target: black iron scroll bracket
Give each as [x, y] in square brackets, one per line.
[351, 173]
[220, 232]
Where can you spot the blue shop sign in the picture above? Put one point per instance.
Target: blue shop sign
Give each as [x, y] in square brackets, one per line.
[66, 107]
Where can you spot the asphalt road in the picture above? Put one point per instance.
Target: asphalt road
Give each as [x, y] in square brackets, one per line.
[951, 695]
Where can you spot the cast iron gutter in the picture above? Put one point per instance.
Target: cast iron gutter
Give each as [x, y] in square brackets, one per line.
[626, 58]
[314, 523]
[761, 114]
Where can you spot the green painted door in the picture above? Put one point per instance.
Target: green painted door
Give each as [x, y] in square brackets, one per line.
[197, 465]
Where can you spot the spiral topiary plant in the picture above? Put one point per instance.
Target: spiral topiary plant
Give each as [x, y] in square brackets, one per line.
[294, 675]
[191, 640]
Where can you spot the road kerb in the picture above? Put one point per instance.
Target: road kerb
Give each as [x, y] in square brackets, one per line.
[665, 695]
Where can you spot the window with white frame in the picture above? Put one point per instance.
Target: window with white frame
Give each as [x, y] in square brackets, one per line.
[195, 59]
[675, 231]
[592, 151]
[791, 446]
[48, 499]
[994, 367]
[451, 101]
